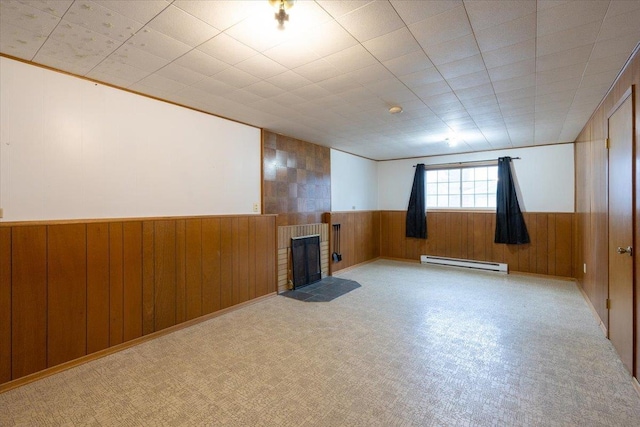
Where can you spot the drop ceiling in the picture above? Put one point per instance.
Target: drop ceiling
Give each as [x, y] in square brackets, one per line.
[489, 74]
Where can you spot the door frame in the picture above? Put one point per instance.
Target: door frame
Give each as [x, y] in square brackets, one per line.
[630, 93]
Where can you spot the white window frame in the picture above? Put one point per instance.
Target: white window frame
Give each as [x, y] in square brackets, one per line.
[491, 185]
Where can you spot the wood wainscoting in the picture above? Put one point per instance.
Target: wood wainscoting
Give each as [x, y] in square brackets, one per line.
[73, 288]
[470, 235]
[359, 237]
[285, 234]
[592, 199]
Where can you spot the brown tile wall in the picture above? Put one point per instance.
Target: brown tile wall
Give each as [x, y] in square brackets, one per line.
[297, 179]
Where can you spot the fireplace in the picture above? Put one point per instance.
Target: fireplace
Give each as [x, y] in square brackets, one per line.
[305, 257]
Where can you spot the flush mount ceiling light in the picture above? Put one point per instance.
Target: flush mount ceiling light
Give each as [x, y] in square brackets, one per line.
[451, 141]
[395, 109]
[281, 15]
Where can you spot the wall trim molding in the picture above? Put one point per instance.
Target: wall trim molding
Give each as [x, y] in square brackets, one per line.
[593, 309]
[126, 219]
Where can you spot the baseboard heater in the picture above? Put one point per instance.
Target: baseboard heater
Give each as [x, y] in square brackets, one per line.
[468, 263]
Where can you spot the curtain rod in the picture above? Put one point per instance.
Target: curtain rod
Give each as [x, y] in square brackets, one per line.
[464, 163]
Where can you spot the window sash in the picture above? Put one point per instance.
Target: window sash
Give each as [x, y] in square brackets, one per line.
[471, 186]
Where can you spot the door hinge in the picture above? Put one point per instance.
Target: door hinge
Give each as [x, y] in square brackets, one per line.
[607, 143]
[608, 302]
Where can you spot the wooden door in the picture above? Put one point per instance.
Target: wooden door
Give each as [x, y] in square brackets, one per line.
[621, 231]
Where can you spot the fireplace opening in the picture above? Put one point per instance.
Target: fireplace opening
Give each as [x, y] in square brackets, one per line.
[305, 260]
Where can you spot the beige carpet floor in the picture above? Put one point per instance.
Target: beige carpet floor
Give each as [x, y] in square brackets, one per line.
[413, 346]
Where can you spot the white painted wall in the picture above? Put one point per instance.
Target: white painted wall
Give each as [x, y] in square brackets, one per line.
[545, 177]
[354, 182]
[70, 148]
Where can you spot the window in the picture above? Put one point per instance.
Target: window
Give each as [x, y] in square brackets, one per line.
[462, 188]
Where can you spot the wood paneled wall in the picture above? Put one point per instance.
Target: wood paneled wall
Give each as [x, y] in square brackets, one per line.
[296, 179]
[359, 237]
[285, 234]
[592, 200]
[72, 289]
[470, 235]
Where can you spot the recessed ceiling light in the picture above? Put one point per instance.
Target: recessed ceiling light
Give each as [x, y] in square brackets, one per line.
[395, 109]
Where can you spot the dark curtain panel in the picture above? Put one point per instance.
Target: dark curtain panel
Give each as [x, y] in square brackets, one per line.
[510, 226]
[416, 215]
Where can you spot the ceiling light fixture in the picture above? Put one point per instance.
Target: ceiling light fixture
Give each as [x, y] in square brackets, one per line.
[451, 141]
[281, 15]
[395, 109]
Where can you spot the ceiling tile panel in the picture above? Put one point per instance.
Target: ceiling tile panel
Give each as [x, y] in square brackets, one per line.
[485, 14]
[449, 25]
[469, 80]
[53, 7]
[392, 45]
[289, 80]
[412, 11]
[292, 54]
[318, 70]
[564, 73]
[420, 78]
[475, 92]
[28, 18]
[18, 42]
[570, 15]
[568, 39]
[339, 8]
[577, 57]
[507, 34]
[409, 63]
[236, 78]
[461, 67]
[264, 89]
[338, 84]
[391, 91]
[622, 7]
[600, 79]
[158, 44]
[547, 88]
[214, 86]
[76, 46]
[621, 45]
[510, 54]
[510, 71]
[372, 73]
[516, 83]
[137, 58]
[621, 25]
[102, 20]
[607, 63]
[200, 62]
[140, 11]
[118, 69]
[453, 50]
[163, 83]
[261, 67]
[328, 38]
[221, 14]
[432, 89]
[119, 80]
[351, 59]
[371, 20]
[227, 49]
[180, 74]
[178, 24]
